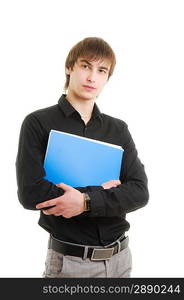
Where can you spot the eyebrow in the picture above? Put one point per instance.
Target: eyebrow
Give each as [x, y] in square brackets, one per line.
[87, 62]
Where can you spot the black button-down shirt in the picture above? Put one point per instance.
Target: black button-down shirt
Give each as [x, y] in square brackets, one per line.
[107, 219]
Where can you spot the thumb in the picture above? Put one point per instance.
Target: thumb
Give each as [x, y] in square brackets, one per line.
[64, 186]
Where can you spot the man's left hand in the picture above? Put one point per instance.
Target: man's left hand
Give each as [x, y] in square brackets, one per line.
[68, 205]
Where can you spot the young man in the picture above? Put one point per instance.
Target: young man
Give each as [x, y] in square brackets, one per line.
[87, 225]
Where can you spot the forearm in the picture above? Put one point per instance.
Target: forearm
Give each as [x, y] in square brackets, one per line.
[118, 201]
[42, 190]
[130, 195]
[34, 192]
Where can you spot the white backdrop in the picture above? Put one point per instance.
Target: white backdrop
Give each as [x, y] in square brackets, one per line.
[146, 90]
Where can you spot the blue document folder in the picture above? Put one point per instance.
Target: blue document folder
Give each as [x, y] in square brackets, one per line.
[80, 161]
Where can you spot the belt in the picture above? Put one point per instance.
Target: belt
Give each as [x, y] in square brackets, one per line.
[93, 253]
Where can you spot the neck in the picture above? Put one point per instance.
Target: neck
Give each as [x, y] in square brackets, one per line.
[83, 106]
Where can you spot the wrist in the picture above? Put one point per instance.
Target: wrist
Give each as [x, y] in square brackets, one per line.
[87, 202]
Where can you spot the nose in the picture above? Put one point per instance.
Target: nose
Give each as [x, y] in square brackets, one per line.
[91, 76]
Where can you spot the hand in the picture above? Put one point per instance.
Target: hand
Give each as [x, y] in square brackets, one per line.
[110, 183]
[68, 205]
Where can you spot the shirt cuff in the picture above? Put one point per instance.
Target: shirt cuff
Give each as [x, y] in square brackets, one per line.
[97, 203]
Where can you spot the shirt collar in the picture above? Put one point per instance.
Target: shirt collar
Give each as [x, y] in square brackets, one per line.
[68, 109]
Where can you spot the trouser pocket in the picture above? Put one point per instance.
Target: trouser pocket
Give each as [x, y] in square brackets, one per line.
[53, 264]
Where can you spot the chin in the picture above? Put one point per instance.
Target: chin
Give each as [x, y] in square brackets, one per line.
[87, 97]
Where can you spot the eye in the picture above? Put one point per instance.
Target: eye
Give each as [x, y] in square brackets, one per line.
[85, 66]
[102, 71]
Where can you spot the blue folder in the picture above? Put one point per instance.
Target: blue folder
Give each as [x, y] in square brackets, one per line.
[80, 161]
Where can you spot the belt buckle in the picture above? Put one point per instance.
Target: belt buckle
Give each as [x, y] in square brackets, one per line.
[102, 254]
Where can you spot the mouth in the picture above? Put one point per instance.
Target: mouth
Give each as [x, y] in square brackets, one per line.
[89, 88]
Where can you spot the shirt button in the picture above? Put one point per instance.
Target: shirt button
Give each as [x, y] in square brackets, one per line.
[85, 129]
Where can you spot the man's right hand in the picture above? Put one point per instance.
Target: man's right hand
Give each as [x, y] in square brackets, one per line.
[111, 183]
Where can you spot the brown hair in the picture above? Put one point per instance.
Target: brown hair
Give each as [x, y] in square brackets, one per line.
[92, 48]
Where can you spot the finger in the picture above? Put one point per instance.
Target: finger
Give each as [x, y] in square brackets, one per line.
[58, 214]
[52, 211]
[116, 182]
[65, 187]
[45, 212]
[47, 203]
[58, 184]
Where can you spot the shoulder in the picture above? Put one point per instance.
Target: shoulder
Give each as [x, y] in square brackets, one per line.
[41, 115]
[114, 121]
[118, 128]
[44, 112]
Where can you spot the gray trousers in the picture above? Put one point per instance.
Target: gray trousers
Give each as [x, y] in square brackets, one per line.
[65, 266]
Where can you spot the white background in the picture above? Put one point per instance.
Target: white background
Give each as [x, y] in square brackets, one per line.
[146, 91]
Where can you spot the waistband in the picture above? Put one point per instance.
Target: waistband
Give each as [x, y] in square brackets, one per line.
[92, 252]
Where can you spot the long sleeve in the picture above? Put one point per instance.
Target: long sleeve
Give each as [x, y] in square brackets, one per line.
[32, 187]
[131, 194]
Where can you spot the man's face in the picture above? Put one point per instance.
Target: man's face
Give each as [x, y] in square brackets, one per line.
[87, 78]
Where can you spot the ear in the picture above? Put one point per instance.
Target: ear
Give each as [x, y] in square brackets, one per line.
[68, 71]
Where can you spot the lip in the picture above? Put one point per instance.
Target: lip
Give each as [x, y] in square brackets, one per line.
[88, 87]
